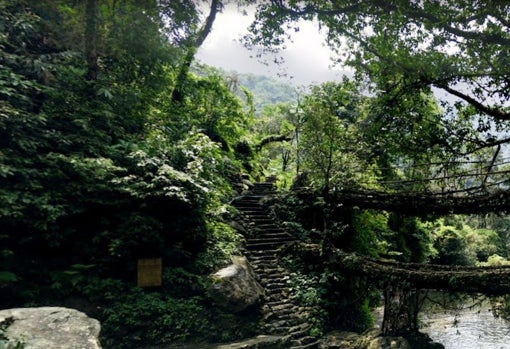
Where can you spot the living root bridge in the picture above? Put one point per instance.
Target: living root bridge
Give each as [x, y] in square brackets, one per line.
[426, 203]
[493, 281]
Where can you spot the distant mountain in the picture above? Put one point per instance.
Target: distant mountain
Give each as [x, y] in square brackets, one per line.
[267, 90]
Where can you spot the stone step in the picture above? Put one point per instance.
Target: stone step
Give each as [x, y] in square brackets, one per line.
[262, 190]
[304, 331]
[271, 235]
[265, 245]
[262, 264]
[247, 208]
[313, 345]
[252, 214]
[269, 227]
[274, 281]
[282, 316]
[278, 240]
[262, 220]
[306, 340]
[268, 231]
[250, 197]
[271, 304]
[287, 317]
[286, 323]
[277, 293]
[274, 276]
[247, 202]
[264, 255]
[255, 214]
[278, 307]
[272, 285]
[273, 290]
[280, 325]
[276, 297]
[265, 235]
[273, 252]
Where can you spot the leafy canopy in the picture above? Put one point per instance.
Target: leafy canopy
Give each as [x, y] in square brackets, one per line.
[400, 47]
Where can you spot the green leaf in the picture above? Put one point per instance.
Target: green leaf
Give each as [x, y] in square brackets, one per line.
[7, 276]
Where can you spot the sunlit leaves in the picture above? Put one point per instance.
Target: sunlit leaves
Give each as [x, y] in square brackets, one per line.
[402, 49]
[331, 145]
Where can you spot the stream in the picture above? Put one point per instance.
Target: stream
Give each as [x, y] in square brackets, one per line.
[463, 326]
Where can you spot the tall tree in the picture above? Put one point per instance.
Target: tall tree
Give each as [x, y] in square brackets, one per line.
[459, 47]
[330, 145]
[192, 43]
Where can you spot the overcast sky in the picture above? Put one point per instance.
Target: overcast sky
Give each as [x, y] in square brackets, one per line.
[307, 59]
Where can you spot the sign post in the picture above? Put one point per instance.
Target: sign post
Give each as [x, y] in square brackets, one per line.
[150, 272]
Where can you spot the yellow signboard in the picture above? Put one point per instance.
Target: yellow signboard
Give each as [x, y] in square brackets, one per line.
[150, 272]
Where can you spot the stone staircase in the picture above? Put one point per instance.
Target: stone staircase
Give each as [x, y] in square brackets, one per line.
[283, 316]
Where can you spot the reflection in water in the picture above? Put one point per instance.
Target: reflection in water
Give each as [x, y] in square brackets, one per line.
[465, 326]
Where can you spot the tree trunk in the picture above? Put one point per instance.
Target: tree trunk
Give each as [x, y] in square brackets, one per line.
[178, 92]
[401, 307]
[91, 38]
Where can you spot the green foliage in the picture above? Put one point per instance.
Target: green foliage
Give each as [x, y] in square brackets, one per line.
[131, 316]
[331, 147]
[457, 242]
[210, 107]
[451, 247]
[99, 172]
[403, 47]
[495, 261]
[147, 317]
[307, 290]
[347, 301]
[278, 158]
[483, 242]
[68, 281]
[372, 233]
[7, 277]
[412, 240]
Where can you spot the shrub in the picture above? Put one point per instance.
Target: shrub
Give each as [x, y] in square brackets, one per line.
[152, 318]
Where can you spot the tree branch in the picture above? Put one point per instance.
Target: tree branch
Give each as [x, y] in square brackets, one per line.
[494, 112]
[487, 145]
[272, 139]
[206, 29]
[490, 167]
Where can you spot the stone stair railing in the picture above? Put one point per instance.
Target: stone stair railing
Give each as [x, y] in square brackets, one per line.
[283, 316]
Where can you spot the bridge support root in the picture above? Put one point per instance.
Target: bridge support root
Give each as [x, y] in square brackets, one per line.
[401, 307]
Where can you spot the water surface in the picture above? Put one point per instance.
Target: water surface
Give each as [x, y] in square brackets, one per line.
[464, 326]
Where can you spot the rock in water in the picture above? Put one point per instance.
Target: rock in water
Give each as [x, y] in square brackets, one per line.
[50, 327]
[235, 288]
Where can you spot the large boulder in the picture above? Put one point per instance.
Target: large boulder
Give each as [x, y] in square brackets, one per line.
[235, 287]
[49, 327]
